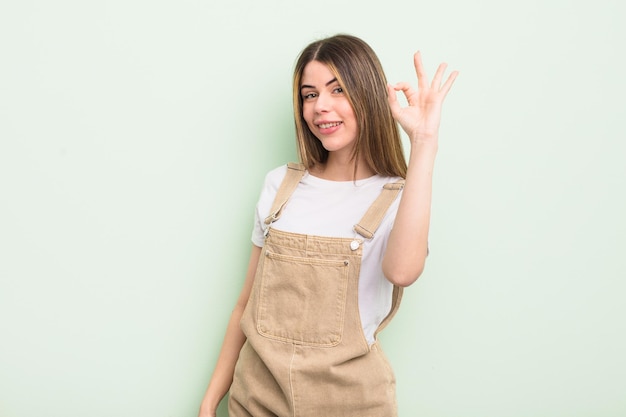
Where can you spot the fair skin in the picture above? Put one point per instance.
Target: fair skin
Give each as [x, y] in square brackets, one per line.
[331, 118]
[407, 248]
[329, 115]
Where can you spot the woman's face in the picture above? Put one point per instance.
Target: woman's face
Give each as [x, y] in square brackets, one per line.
[326, 109]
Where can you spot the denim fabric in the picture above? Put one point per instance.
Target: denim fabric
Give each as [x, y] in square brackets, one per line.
[305, 353]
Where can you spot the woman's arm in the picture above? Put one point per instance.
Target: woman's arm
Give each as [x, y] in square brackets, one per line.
[407, 248]
[233, 341]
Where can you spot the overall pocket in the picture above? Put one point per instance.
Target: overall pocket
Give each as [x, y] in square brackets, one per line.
[302, 300]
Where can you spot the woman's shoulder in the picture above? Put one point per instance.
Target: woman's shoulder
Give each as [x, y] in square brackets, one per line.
[274, 177]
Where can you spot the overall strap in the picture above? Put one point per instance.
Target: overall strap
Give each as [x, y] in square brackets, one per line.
[374, 215]
[396, 297]
[367, 227]
[294, 174]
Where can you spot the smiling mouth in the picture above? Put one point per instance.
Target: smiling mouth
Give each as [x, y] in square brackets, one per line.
[328, 125]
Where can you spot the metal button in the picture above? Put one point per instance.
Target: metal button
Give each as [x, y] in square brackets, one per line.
[354, 245]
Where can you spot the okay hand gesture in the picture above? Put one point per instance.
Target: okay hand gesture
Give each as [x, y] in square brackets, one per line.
[420, 118]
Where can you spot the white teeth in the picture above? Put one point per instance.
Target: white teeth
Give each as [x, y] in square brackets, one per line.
[328, 125]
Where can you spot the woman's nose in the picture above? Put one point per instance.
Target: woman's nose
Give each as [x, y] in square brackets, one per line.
[323, 103]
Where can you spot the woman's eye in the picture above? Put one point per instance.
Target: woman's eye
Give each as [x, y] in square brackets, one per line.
[338, 90]
[308, 96]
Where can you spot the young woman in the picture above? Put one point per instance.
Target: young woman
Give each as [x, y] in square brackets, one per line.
[336, 239]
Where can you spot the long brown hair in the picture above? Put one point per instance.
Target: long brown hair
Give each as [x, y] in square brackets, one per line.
[361, 76]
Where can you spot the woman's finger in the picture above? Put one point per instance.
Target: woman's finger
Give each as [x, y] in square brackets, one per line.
[448, 84]
[422, 79]
[393, 99]
[407, 90]
[436, 85]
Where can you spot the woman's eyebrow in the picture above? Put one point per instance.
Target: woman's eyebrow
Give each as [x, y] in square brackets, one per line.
[310, 86]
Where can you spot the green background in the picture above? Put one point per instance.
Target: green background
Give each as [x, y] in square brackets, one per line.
[134, 138]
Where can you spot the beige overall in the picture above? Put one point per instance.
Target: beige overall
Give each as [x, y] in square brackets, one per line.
[306, 354]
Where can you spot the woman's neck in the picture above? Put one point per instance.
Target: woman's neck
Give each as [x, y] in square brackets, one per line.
[336, 170]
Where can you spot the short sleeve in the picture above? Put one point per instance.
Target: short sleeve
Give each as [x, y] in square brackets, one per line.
[272, 181]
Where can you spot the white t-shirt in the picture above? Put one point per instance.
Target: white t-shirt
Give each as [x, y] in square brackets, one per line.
[331, 208]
